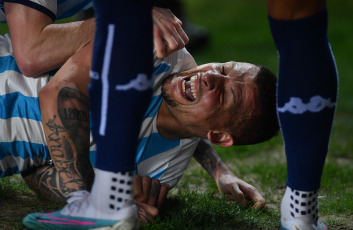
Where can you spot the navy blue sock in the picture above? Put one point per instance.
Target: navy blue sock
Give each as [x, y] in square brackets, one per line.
[306, 96]
[121, 79]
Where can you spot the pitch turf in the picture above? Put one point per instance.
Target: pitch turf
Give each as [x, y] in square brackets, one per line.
[239, 31]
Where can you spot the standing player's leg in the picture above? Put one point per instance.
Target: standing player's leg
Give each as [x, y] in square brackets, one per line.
[119, 93]
[306, 100]
[120, 90]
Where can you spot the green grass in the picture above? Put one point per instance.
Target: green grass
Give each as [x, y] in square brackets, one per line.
[239, 31]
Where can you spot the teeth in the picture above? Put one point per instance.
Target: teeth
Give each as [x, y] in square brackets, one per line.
[192, 84]
[183, 86]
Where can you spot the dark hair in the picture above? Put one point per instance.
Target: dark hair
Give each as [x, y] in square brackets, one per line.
[264, 125]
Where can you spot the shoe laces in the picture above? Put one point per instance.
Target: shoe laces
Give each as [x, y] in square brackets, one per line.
[76, 200]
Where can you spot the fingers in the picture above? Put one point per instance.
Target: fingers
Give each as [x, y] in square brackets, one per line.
[244, 194]
[168, 33]
[146, 187]
[150, 191]
[149, 195]
[142, 187]
[138, 192]
[154, 192]
[146, 212]
[253, 196]
[162, 194]
[159, 45]
[238, 196]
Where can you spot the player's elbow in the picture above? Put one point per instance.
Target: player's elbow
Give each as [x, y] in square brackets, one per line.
[29, 65]
[46, 96]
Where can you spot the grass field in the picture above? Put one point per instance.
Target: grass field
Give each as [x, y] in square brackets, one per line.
[239, 31]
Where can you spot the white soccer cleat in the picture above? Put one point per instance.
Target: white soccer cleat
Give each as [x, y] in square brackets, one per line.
[80, 213]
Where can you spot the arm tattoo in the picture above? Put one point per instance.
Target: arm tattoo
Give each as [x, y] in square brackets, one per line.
[68, 143]
[207, 156]
[46, 182]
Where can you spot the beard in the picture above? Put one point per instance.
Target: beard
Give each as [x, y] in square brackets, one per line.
[167, 98]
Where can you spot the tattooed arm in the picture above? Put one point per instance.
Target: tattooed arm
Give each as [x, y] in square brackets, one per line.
[45, 181]
[65, 116]
[228, 184]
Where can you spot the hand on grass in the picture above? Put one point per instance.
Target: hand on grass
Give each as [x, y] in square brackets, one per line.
[149, 196]
[240, 191]
[168, 35]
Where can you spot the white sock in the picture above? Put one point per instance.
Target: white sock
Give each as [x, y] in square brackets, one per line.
[299, 204]
[110, 191]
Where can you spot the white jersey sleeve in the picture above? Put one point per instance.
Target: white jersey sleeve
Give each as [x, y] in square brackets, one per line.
[55, 9]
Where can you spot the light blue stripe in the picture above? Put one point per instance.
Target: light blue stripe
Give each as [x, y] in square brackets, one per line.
[153, 106]
[156, 100]
[153, 145]
[18, 105]
[92, 155]
[23, 149]
[161, 68]
[8, 63]
[158, 175]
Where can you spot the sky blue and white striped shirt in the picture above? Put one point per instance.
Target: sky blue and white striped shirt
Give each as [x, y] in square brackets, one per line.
[22, 139]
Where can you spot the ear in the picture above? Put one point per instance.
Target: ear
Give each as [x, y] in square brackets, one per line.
[220, 138]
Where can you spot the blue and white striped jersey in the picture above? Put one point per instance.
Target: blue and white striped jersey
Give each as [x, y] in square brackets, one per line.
[22, 139]
[55, 9]
[158, 157]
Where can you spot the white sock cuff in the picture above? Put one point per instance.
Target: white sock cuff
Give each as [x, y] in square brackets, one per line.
[299, 203]
[110, 191]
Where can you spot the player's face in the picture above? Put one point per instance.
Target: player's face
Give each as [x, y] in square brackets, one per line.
[203, 97]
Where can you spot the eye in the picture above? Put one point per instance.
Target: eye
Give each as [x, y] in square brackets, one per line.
[222, 72]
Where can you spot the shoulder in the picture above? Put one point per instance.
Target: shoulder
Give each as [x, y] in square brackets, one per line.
[176, 62]
[180, 60]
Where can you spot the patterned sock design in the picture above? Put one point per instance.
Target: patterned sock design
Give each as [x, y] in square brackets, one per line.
[297, 203]
[120, 190]
[111, 190]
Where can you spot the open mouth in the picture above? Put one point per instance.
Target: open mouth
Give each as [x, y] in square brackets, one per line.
[188, 88]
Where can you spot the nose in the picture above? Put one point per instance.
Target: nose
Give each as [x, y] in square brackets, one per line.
[211, 80]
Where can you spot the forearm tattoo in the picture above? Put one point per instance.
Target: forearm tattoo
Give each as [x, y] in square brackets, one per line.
[207, 156]
[46, 182]
[68, 143]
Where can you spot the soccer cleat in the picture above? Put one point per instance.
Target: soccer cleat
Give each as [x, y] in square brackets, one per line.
[300, 223]
[79, 213]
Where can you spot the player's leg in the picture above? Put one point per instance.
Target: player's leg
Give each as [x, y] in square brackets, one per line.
[119, 93]
[65, 117]
[307, 91]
